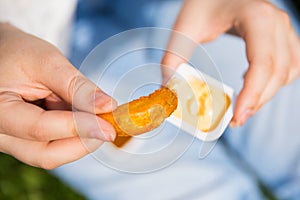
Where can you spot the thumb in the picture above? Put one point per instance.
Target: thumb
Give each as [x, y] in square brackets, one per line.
[86, 96]
[74, 88]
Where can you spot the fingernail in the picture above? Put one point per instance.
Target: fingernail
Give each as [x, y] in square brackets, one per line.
[109, 106]
[96, 97]
[103, 102]
[102, 136]
[244, 117]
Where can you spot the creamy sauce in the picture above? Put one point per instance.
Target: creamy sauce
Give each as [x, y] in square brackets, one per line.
[199, 104]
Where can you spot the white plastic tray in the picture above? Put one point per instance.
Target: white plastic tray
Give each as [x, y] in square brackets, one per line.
[186, 71]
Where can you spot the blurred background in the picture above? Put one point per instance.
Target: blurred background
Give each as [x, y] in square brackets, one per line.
[19, 181]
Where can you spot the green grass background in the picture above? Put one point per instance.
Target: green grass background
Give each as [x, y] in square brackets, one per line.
[22, 182]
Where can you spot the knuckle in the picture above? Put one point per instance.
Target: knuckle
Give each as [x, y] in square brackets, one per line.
[36, 132]
[266, 61]
[264, 10]
[76, 83]
[264, 65]
[284, 17]
[259, 13]
[255, 95]
[281, 75]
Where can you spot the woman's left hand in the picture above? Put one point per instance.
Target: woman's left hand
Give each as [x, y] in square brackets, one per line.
[273, 47]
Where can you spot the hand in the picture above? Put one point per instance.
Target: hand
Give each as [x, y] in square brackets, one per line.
[273, 48]
[37, 87]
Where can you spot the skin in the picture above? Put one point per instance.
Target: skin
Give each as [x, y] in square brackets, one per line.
[272, 46]
[37, 86]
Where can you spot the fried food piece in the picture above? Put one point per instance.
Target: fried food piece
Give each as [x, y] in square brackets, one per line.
[120, 141]
[143, 114]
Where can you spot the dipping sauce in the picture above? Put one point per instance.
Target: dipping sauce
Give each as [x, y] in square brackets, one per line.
[199, 104]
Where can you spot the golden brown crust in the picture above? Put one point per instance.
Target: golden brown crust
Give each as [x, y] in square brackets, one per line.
[143, 114]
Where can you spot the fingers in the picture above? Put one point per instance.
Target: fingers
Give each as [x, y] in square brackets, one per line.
[247, 100]
[88, 97]
[47, 155]
[272, 56]
[193, 26]
[66, 82]
[273, 49]
[27, 121]
[281, 65]
[259, 50]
